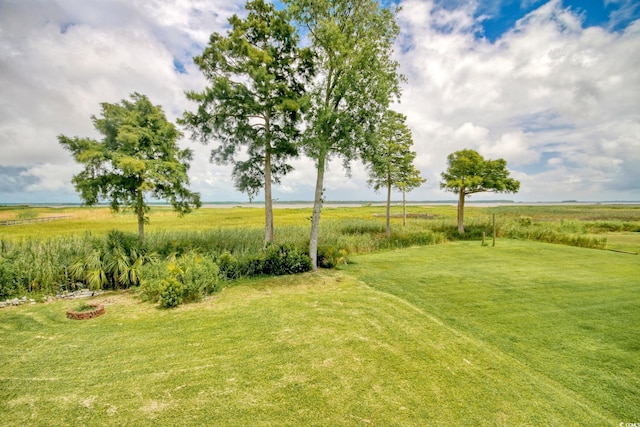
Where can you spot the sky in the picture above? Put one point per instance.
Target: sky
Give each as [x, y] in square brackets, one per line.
[552, 87]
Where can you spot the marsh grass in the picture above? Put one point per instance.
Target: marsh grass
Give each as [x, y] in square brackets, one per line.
[525, 333]
[36, 258]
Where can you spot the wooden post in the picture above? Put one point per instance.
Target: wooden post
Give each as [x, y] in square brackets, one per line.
[483, 233]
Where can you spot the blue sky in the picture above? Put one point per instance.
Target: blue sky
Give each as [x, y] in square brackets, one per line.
[551, 86]
[502, 15]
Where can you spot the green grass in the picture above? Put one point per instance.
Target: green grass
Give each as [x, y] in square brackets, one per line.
[523, 333]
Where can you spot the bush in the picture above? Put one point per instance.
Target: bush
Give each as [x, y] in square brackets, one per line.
[171, 291]
[199, 275]
[229, 266]
[8, 279]
[153, 274]
[330, 257]
[196, 276]
[275, 260]
[281, 259]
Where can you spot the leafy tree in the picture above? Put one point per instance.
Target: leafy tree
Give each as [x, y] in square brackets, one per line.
[352, 42]
[256, 93]
[138, 156]
[390, 163]
[469, 173]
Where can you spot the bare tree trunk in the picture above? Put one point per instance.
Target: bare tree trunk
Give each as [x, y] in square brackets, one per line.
[140, 215]
[317, 207]
[389, 208]
[404, 207]
[268, 201]
[461, 212]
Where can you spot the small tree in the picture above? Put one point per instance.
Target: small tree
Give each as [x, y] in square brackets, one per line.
[254, 101]
[138, 156]
[469, 173]
[390, 161]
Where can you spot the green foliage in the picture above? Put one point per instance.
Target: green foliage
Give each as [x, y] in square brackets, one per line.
[152, 276]
[275, 260]
[198, 274]
[282, 259]
[331, 257]
[352, 45]
[191, 275]
[117, 260]
[390, 159]
[114, 263]
[9, 279]
[469, 173]
[229, 266]
[257, 74]
[138, 155]
[171, 291]
[83, 306]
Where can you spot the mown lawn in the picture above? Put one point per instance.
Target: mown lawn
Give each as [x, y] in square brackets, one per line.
[522, 333]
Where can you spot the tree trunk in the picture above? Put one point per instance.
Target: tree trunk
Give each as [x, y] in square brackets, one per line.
[461, 212]
[140, 215]
[404, 207]
[317, 207]
[268, 201]
[389, 207]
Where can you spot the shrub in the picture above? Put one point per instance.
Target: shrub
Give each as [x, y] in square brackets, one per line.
[195, 274]
[8, 279]
[229, 265]
[152, 275]
[199, 275]
[282, 259]
[171, 291]
[330, 257]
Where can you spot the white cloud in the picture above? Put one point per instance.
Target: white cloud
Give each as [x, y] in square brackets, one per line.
[558, 101]
[547, 87]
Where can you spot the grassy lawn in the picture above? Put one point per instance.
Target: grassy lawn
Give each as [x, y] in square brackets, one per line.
[523, 333]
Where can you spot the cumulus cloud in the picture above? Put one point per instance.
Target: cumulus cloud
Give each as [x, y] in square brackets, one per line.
[548, 88]
[555, 98]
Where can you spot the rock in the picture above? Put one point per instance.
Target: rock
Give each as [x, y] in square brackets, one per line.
[3, 304]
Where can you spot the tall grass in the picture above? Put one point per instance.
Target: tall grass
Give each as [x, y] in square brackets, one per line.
[40, 266]
[34, 259]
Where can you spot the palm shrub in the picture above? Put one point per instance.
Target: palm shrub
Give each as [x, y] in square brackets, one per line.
[114, 262]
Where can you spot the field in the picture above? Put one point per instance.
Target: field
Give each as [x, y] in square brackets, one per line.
[523, 333]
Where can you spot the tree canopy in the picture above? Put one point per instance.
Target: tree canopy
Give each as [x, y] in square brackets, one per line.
[352, 44]
[137, 156]
[257, 75]
[469, 173]
[390, 161]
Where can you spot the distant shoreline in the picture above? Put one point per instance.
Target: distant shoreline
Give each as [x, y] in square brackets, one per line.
[350, 204]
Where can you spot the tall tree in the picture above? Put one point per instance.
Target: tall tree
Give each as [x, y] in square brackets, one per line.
[257, 74]
[390, 161]
[352, 42]
[137, 156]
[469, 173]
